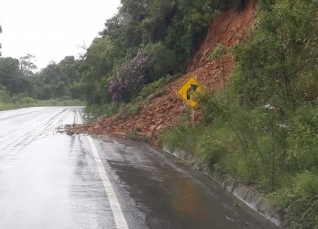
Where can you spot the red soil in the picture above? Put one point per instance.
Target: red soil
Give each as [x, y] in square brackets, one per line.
[227, 30]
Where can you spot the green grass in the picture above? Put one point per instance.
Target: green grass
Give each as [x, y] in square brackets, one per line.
[30, 102]
[258, 148]
[150, 90]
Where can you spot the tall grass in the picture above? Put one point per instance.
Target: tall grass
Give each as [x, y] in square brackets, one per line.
[271, 149]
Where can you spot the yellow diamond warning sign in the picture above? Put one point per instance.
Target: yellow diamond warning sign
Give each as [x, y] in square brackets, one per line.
[189, 90]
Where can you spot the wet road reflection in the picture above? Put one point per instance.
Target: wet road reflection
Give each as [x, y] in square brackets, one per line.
[51, 180]
[172, 196]
[48, 179]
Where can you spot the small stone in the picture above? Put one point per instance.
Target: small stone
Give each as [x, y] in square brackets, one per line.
[159, 127]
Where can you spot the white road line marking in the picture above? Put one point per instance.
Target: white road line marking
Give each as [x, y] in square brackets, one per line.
[115, 206]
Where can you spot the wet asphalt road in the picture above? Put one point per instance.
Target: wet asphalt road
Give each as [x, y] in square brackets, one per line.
[49, 180]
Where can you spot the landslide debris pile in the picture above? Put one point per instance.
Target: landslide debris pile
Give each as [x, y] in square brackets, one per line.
[227, 29]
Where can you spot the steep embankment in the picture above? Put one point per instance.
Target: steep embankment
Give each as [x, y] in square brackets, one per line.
[162, 112]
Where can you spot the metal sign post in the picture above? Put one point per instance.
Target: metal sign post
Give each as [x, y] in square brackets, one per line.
[192, 117]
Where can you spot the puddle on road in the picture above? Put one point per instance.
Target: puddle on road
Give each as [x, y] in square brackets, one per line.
[170, 198]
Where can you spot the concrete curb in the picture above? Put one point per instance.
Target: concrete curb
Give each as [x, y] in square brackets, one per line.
[250, 198]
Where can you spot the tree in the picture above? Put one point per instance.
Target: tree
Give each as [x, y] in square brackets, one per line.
[271, 63]
[69, 77]
[0, 32]
[166, 32]
[67, 67]
[130, 77]
[96, 67]
[27, 65]
[9, 74]
[4, 94]
[51, 76]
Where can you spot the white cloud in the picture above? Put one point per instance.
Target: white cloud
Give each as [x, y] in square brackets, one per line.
[51, 29]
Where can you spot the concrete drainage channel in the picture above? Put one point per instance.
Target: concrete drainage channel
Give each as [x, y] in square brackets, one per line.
[249, 197]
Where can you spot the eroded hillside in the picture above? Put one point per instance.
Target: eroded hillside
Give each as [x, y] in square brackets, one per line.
[227, 29]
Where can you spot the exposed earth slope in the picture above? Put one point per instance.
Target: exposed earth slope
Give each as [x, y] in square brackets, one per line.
[227, 29]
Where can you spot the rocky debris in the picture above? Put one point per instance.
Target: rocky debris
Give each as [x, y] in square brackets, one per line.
[163, 111]
[61, 129]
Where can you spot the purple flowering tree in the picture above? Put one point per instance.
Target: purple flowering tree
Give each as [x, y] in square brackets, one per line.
[130, 78]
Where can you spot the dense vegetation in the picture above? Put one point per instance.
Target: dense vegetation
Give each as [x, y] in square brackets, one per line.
[146, 40]
[21, 86]
[263, 127]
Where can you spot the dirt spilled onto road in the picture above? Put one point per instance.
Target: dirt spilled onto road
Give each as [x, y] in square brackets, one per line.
[162, 112]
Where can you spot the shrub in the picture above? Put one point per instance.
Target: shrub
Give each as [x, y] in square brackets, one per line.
[94, 112]
[130, 109]
[301, 202]
[217, 52]
[4, 94]
[130, 78]
[152, 87]
[161, 59]
[181, 136]
[271, 61]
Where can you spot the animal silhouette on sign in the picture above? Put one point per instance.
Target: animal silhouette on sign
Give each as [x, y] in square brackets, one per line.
[192, 89]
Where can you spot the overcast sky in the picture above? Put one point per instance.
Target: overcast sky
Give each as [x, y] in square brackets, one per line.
[51, 29]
